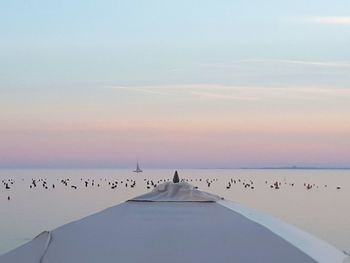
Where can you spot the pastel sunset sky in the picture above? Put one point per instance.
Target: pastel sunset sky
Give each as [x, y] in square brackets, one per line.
[174, 83]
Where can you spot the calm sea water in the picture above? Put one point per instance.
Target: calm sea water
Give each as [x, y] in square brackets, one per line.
[322, 210]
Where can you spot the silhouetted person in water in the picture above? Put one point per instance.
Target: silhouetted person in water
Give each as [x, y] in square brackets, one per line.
[176, 178]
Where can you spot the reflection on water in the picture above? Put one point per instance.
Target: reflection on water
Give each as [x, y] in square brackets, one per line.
[35, 200]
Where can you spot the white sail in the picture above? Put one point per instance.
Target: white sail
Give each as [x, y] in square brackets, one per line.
[138, 170]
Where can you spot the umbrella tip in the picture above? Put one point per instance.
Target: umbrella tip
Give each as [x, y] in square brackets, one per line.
[176, 178]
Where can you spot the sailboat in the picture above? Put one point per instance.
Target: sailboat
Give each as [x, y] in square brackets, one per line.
[138, 170]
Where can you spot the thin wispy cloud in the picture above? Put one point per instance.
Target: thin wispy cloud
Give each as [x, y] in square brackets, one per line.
[332, 20]
[221, 96]
[240, 93]
[233, 65]
[155, 90]
[238, 63]
[174, 69]
[338, 64]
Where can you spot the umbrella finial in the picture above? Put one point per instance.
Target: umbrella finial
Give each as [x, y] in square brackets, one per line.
[176, 178]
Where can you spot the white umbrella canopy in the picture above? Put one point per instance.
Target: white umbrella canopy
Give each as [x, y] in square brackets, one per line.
[176, 223]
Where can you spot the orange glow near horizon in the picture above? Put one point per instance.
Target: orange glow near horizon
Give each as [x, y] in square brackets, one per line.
[184, 131]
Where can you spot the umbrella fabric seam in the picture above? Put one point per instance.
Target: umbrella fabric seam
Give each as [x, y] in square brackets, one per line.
[47, 244]
[322, 253]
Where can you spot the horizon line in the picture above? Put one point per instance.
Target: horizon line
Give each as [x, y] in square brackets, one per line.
[179, 168]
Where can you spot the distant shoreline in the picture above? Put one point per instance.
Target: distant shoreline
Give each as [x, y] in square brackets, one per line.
[300, 168]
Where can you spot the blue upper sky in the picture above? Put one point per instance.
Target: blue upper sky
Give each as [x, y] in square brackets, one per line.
[139, 42]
